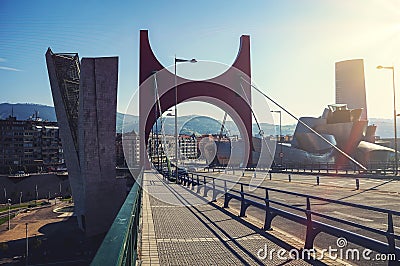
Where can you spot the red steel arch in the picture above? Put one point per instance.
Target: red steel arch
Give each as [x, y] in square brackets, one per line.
[226, 88]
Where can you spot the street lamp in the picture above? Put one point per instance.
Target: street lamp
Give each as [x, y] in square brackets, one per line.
[36, 192]
[9, 213]
[178, 60]
[163, 143]
[394, 117]
[280, 134]
[27, 243]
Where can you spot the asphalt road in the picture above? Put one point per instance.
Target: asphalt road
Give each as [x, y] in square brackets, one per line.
[53, 239]
[382, 193]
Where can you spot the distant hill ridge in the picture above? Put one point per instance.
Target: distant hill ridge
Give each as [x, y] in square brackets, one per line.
[199, 126]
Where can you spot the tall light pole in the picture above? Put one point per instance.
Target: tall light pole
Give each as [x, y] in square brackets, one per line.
[20, 198]
[9, 214]
[280, 134]
[394, 118]
[36, 192]
[27, 244]
[178, 60]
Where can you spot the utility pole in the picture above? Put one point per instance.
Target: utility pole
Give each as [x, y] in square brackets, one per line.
[9, 214]
[27, 243]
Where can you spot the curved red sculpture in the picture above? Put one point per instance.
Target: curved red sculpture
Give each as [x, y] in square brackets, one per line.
[226, 91]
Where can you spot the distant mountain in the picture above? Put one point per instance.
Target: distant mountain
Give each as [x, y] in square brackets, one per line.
[23, 111]
[188, 124]
[384, 127]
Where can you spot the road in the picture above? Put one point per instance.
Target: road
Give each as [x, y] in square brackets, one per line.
[382, 193]
[54, 238]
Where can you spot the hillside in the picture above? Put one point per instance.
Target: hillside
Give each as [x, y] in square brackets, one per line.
[23, 111]
[190, 124]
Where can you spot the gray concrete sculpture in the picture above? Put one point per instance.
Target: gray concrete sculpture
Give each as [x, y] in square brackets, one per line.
[85, 99]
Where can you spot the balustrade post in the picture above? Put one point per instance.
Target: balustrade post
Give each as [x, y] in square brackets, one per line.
[226, 199]
[214, 196]
[205, 187]
[309, 243]
[268, 217]
[198, 184]
[242, 202]
[390, 237]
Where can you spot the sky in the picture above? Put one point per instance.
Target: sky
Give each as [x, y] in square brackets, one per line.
[294, 44]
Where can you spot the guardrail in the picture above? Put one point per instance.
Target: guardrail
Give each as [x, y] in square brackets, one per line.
[314, 227]
[119, 246]
[372, 168]
[322, 168]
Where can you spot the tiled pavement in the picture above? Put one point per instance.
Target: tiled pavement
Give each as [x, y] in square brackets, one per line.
[181, 228]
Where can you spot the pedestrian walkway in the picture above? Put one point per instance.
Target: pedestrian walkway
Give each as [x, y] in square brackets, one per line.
[181, 228]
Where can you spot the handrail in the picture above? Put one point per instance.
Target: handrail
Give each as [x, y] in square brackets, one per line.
[119, 246]
[313, 227]
[366, 207]
[372, 167]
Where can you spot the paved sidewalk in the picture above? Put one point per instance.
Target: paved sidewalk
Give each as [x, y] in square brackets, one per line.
[181, 228]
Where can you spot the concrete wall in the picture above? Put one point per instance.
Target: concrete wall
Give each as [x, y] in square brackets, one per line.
[66, 135]
[104, 194]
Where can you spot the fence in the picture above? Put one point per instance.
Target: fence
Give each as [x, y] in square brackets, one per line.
[314, 227]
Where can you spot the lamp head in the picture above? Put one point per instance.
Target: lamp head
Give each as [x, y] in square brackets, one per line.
[385, 67]
[193, 60]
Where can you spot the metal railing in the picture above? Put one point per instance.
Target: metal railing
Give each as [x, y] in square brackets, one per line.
[372, 168]
[119, 246]
[291, 212]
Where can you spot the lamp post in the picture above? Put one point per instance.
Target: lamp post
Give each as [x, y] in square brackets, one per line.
[178, 60]
[20, 198]
[156, 143]
[164, 147]
[280, 134]
[27, 243]
[394, 117]
[9, 213]
[36, 192]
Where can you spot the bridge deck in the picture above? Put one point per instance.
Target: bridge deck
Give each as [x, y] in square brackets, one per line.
[181, 228]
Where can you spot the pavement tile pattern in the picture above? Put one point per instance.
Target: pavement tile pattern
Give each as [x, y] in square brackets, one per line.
[181, 228]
